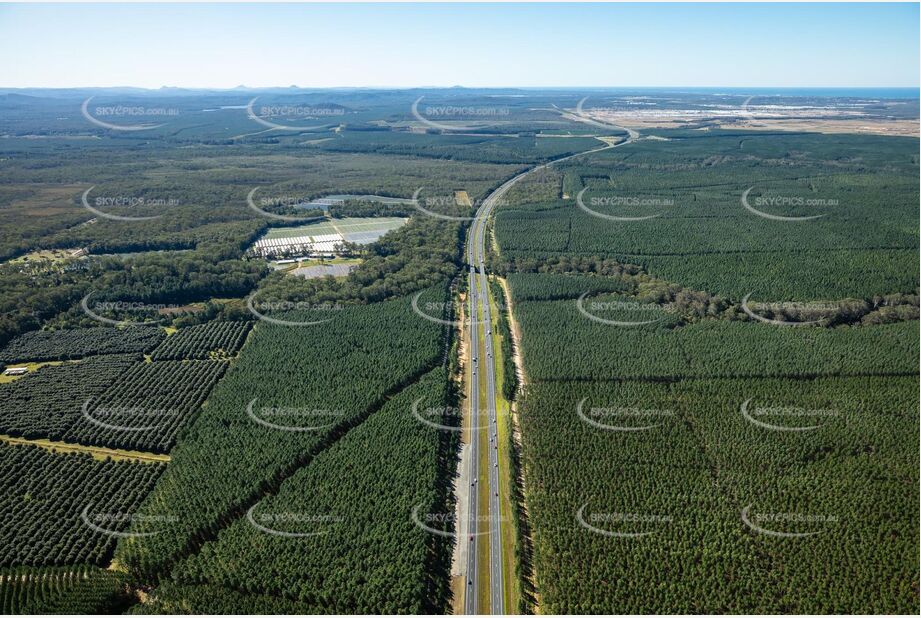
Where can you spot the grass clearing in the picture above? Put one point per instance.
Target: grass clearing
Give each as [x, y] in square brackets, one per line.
[504, 420]
[5, 379]
[97, 452]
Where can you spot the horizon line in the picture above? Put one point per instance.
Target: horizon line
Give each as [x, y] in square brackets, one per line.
[454, 87]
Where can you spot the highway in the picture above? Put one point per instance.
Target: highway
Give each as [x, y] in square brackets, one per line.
[470, 596]
[482, 360]
[481, 325]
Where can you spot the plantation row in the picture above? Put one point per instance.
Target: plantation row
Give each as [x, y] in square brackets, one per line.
[288, 395]
[615, 510]
[560, 343]
[700, 235]
[554, 286]
[808, 275]
[114, 401]
[50, 345]
[722, 226]
[147, 406]
[663, 472]
[44, 497]
[381, 470]
[79, 589]
[800, 273]
[802, 276]
[46, 403]
[203, 341]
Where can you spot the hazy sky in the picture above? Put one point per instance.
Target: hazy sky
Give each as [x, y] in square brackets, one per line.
[225, 45]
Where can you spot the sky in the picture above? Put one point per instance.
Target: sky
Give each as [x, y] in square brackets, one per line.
[476, 45]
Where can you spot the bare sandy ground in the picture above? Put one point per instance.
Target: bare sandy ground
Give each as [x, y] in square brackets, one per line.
[462, 489]
[831, 123]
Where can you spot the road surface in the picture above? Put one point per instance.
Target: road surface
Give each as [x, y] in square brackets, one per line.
[482, 360]
[470, 596]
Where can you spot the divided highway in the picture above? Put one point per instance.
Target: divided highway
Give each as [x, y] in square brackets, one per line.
[482, 361]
